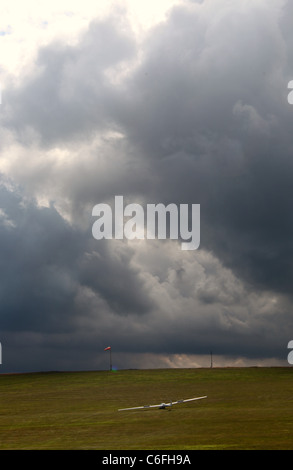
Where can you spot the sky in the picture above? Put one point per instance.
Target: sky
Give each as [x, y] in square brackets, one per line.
[182, 102]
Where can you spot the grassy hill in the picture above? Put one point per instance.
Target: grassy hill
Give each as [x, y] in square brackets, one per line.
[246, 408]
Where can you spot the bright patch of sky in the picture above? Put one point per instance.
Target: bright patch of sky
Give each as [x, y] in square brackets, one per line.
[25, 26]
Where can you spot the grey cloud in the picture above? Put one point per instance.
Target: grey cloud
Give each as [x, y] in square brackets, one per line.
[45, 262]
[70, 95]
[202, 118]
[37, 284]
[197, 68]
[216, 123]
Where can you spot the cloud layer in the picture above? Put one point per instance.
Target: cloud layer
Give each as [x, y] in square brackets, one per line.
[194, 110]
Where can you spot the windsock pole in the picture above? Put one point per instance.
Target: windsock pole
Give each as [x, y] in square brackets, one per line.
[109, 349]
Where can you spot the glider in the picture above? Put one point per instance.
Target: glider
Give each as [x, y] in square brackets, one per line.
[162, 406]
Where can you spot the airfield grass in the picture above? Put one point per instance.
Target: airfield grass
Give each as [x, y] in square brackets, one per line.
[246, 408]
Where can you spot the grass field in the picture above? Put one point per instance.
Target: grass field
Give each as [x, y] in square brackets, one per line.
[246, 408]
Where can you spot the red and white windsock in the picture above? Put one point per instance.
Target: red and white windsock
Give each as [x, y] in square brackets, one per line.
[109, 349]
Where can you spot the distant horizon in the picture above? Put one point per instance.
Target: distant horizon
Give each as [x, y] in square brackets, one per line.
[142, 369]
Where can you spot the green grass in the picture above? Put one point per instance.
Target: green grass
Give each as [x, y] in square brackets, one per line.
[246, 408]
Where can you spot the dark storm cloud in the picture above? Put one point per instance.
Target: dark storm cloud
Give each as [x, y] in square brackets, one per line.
[217, 126]
[37, 286]
[44, 261]
[201, 117]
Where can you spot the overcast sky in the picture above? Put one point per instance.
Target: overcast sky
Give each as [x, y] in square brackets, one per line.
[179, 102]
